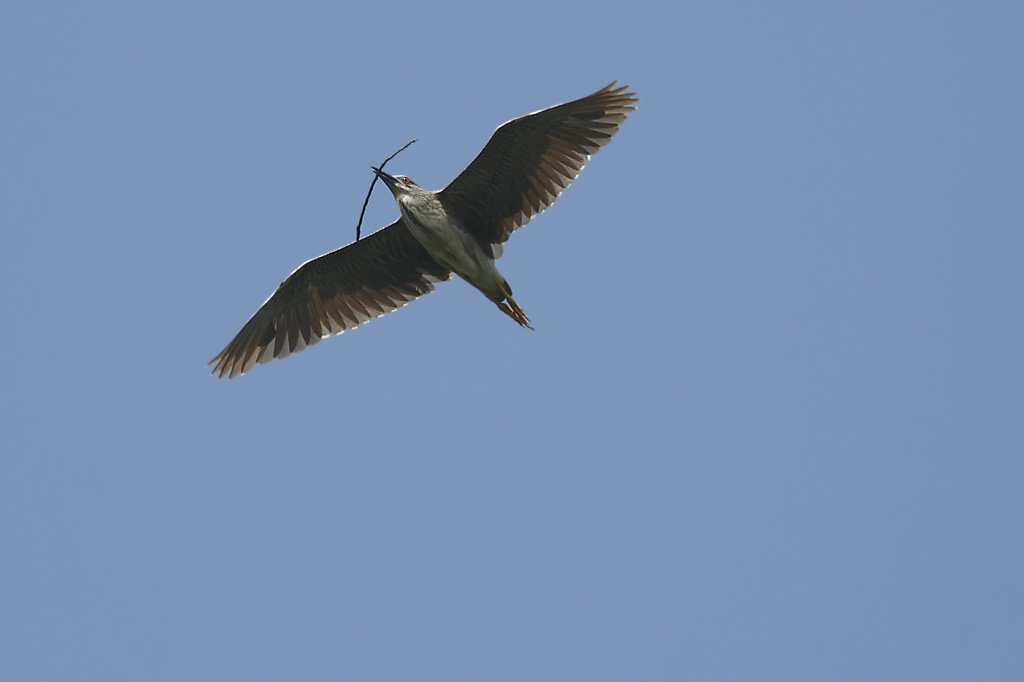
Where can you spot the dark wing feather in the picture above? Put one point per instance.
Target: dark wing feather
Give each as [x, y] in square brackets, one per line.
[331, 294]
[530, 160]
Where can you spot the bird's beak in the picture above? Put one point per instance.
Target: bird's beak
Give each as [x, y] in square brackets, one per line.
[389, 180]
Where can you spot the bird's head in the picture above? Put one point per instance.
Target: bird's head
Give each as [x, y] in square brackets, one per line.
[398, 184]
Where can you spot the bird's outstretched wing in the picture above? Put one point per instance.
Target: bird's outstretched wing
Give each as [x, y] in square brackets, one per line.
[530, 160]
[330, 294]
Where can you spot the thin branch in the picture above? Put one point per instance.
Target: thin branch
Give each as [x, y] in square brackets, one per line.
[374, 182]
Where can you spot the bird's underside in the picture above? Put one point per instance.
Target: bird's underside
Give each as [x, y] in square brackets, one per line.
[521, 171]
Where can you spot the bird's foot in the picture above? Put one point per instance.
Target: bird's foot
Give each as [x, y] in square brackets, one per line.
[512, 309]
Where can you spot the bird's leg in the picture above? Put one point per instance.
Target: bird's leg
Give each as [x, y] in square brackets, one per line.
[513, 310]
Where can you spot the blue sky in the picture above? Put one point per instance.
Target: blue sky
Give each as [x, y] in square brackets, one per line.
[768, 426]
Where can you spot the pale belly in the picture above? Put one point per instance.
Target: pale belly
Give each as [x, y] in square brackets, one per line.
[453, 248]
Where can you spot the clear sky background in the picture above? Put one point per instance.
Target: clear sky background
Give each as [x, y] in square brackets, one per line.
[769, 425]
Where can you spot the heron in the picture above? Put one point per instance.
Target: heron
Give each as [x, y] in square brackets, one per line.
[460, 229]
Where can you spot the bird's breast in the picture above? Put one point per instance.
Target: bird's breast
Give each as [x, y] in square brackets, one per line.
[451, 245]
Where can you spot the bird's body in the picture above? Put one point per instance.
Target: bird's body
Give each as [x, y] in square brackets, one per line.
[459, 229]
[441, 232]
[448, 241]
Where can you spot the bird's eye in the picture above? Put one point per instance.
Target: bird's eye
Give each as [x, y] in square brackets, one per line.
[406, 180]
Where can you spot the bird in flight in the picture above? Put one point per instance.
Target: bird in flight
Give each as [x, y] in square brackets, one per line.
[520, 172]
